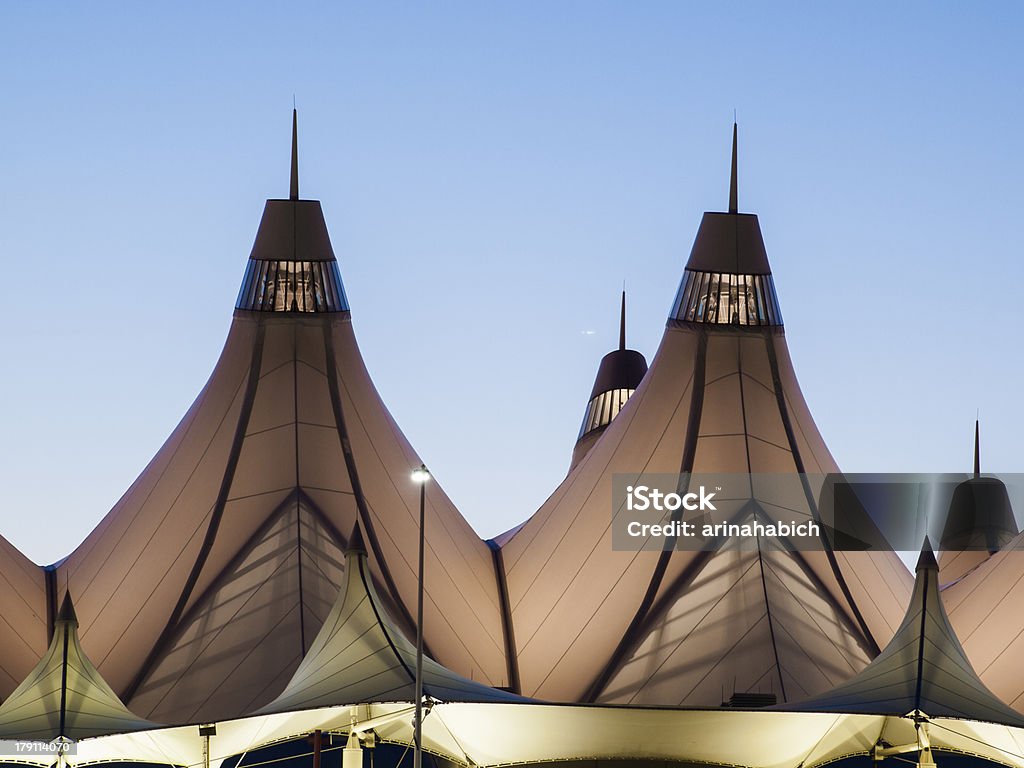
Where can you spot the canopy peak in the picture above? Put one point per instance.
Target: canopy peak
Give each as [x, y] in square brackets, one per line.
[927, 559]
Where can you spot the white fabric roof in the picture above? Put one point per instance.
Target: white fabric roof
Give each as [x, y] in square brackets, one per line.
[64, 696]
[360, 655]
[923, 669]
[506, 734]
[922, 673]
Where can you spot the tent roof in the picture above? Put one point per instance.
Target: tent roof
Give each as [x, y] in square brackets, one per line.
[64, 695]
[200, 592]
[360, 655]
[922, 669]
[669, 626]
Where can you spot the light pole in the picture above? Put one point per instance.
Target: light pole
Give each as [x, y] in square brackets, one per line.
[422, 477]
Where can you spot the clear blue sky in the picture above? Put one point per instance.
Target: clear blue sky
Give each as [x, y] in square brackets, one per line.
[491, 173]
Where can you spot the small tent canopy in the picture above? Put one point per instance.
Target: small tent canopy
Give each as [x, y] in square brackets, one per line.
[361, 656]
[64, 696]
[922, 670]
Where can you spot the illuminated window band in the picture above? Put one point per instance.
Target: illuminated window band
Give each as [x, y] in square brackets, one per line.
[726, 299]
[292, 286]
[603, 408]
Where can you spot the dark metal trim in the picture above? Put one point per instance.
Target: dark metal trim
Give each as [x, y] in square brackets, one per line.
[361, 559]
[353, 474]
[211, 531]
[50, 583]
[920, 645]
[507, 626]
[780, 398]
[633, 634]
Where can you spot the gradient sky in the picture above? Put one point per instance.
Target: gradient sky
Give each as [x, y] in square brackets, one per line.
[490, 174]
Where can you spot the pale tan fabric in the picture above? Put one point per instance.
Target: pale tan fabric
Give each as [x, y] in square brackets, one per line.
[709, 632]
[985, 610]
[22, 616]
[289, 506]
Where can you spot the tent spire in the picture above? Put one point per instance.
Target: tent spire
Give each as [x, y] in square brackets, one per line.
[67, 610]
[927, 562]
[977, 449]
[294, 194]
[622, 322]
[733, 204]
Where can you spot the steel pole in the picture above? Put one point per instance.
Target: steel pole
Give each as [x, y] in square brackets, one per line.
[417, 758]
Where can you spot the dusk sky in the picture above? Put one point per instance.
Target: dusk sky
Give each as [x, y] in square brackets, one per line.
[490, 174]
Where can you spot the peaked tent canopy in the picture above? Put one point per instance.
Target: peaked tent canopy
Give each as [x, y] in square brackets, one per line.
[25, 615]
[618, 376]
[205, 585]
[671, 628]
[361, 656]
[922, 670]
[64, 696]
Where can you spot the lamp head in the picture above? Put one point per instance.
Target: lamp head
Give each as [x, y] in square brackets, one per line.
[421, 475]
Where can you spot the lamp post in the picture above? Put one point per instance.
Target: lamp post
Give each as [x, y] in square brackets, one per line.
[420, 476]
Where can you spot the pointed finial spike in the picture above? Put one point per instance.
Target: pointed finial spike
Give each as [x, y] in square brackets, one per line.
[977, 448]
[67, 610]
[733, 204]
[294, 193]
[927, 560]
[355, 542]
[622, 322]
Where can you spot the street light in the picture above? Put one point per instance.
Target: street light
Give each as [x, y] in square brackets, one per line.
[421, 476]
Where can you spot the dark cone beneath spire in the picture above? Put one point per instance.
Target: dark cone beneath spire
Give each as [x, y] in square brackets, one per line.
[728, 280]
[292, 267]
[980, 515]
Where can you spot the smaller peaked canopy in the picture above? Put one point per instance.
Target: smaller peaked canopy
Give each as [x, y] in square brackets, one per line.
[923, 669]
[618, 376]
[361, 657]
[64, 696]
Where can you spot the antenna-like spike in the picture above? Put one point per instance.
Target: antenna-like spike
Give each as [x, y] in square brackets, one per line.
[977, 448]
[622, 322]
[294, 194]
[733, 204]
